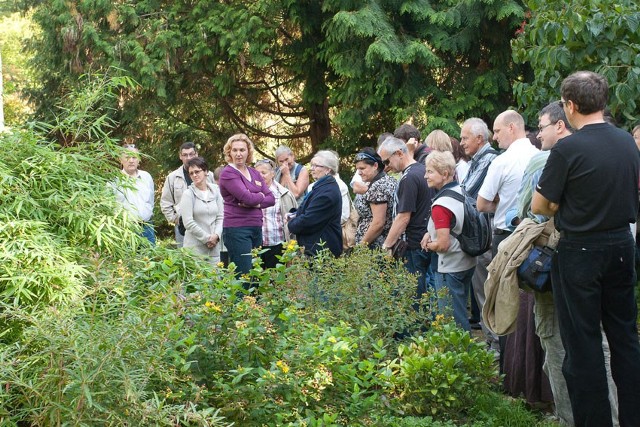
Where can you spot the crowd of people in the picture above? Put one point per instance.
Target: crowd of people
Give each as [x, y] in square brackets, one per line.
[576, 346]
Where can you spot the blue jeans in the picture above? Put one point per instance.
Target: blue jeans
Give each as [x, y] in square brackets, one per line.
[239, 242]
[148, 233]
[458, 285]
[593, 278]
[419, 263]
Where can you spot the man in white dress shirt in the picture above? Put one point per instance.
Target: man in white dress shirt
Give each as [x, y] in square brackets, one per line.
[136, 195]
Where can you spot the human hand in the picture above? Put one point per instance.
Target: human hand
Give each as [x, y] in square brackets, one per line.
[412, 144]
[426, 239]
[213, 241]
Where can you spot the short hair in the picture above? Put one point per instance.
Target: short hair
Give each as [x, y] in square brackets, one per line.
[238, 137]
[406, 131]
[382, 137]
[198, 162]
[265, 162]
[556, 113]
[283, 149]
[442, 161]
[438, 140]
[369, 156]
[512, 116]
[393, 144]
[588, 90]
[188, 146]
[477, 127]
[636, 128]
[328, 159]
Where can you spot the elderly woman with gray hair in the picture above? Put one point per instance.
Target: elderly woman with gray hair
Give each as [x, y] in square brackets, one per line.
[316, 223]
[455, 268]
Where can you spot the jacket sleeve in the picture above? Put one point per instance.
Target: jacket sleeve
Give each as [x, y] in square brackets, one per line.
[186, 208]
[315, 217]
[217, 227]
[167, 203]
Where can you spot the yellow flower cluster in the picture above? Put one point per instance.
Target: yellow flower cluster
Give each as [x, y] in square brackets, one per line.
[213, 306]
[282, 366]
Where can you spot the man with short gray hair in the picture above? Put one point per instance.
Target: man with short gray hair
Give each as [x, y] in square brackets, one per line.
[412, 207]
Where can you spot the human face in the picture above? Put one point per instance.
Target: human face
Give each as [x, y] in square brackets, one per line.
[367, 171]
[469, 142]
[239, 153]
[391, 161]
[636, 136]
[198, 176]
[286, 160]
[130, 162]
[317, 170]
[547, 132]
[502, 133]
[434, 178]
[266, 172]
[186, 155]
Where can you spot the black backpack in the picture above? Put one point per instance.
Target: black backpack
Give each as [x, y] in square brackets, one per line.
[475, 238]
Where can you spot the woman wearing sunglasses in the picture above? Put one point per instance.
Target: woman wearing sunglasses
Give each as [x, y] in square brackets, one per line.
[375, 206]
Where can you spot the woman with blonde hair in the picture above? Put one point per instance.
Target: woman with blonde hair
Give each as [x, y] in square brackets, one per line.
[438, 141]
[245, 194]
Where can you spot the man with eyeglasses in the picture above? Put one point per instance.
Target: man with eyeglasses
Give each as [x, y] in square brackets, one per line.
[411, 208]
[590, 185]
[174, 185]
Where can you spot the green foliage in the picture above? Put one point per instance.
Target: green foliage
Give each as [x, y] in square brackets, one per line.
[15, 29]
[57, 213]
[309, 73]
[442, 372]
[600, 36]
[103, 361]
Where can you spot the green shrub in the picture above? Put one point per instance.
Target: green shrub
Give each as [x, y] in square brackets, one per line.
[441, 373]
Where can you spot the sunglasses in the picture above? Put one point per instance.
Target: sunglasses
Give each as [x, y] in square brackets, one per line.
[364, 156]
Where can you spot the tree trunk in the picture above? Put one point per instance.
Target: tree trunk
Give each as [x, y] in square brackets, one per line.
[320, 124]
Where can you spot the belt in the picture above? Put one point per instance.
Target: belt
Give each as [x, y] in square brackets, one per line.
[499, 231]
[595, 234]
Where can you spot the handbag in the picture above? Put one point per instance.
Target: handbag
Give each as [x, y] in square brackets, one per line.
[349, 228]
[399, 249]
[535, 271]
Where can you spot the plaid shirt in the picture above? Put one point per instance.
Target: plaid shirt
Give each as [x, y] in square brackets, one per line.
[272, 222]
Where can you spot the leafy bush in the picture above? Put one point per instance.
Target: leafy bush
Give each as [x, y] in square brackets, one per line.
[442, 372]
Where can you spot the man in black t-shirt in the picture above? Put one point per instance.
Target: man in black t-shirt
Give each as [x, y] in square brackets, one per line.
[590, 183]
[412, 207]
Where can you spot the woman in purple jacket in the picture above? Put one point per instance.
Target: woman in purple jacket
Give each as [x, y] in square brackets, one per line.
[245, 194]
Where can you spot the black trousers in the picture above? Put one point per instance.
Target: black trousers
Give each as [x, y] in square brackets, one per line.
[593, 280]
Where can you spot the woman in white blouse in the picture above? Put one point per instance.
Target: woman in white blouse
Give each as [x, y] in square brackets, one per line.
[202, 210]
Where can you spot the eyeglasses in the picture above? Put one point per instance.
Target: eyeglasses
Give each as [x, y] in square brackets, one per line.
[195, 172]
[129, 146]
[189, 155]
[314, 166]
[543, 127]
[388, 159]
[561, 103]
[364, 156]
